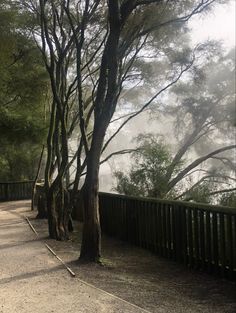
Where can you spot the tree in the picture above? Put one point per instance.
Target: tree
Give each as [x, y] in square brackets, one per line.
[23, 88]
[202, 107]
[148, 174]
[106, 40]
[228, 199]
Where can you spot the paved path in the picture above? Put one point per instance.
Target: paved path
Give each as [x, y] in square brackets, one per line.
[33, 281]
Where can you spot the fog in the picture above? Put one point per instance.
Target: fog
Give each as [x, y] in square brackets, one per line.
[162, 117]
[218, 25]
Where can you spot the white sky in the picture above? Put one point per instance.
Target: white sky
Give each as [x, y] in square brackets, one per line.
[218, 24]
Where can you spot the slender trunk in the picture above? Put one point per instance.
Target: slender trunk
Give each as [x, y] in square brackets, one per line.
[41, 207]
[74, 192]
[41, 202]
[36, 178]
[58, 214]
[91, 239]
[57, 195]
[52, 216]
[105, 104]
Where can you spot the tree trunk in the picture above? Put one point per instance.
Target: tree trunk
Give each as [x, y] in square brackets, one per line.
[52, 217]
[41, 207]
[58, 214]
[36, 178]
[91, 239]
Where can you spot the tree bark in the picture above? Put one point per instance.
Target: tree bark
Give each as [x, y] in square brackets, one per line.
[36, 178]
[91, 239]
[59, 219]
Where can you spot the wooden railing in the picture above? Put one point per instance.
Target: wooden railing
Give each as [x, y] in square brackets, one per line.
[201, 236]
[10, 191]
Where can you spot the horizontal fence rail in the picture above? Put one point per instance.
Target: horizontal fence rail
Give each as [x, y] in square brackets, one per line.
[201, 236]
[10, 191]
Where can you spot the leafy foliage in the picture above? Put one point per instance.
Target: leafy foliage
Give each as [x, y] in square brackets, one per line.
[147, 176]
[202, 108]
[23, 88]
[201, 193]
[228, 199]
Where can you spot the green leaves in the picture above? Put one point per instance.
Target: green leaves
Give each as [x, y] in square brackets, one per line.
[147, 176]
[23, 91]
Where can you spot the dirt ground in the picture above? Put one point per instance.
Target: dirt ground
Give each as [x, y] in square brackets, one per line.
[131, 279]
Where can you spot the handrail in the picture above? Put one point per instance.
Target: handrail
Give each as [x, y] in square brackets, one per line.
[186, 204]
[17, 182]
[196, 234]
[201, 236]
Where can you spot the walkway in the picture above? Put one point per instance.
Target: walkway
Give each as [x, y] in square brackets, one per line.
[32, 280]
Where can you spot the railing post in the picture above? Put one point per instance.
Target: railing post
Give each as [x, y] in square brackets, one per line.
[6, 191]
[178, 233]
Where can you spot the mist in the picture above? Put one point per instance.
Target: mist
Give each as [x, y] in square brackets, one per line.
[168, 119]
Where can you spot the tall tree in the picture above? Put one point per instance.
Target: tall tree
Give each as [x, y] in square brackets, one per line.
[202, 110]
[106, 40]
[148, 173]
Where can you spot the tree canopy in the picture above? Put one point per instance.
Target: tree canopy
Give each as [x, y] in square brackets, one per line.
[203, 115]
[23, 90]
[94, 51]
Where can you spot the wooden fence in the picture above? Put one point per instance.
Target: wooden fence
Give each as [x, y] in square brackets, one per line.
[201, 236]
[16, 190]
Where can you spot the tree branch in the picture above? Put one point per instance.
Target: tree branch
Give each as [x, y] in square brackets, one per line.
[147, 104]
[215, 192]
[125, 151]
[198, 161]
